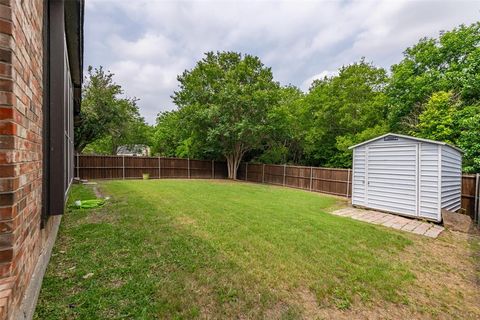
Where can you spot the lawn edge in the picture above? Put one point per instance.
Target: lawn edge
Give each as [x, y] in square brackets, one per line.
[30, 298]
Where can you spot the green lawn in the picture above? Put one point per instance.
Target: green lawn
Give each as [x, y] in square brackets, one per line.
[175, 249]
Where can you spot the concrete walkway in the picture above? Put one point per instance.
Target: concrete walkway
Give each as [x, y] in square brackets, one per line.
[392, 221]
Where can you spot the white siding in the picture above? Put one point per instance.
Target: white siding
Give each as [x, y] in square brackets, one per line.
[358, 188]
[451, 178]
[428, 183]
[408, 176]
[391, 177]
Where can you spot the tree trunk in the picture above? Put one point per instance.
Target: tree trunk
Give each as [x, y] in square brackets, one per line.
[233, 162]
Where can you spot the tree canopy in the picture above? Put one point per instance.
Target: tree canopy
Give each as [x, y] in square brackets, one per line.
[224, 101]
[230, 107]
[107, 119]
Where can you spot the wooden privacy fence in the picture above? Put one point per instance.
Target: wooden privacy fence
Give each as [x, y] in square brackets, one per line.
[338, 181]
[129, 167]
[325, 180]
[471, 195]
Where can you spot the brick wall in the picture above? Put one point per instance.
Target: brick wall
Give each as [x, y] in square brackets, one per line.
[21, 235]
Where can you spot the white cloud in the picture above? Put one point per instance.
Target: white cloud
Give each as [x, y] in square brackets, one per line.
[319, 76]
[147, 43]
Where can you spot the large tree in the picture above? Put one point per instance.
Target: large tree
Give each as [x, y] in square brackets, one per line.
[99, 104]
[343, 107]
[107, 119]
[289, 120]
[435, 90]
[225, 101]
[449, 63]
[130, 130]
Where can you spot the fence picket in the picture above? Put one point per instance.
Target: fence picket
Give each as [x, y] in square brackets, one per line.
[263, 173]
[327, 180]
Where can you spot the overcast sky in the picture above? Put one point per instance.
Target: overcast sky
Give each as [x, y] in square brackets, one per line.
[147, 43]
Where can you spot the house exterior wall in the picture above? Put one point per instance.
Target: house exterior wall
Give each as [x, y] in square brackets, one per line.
[21, 100]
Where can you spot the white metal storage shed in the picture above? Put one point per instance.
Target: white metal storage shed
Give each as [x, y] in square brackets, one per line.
[407, 175]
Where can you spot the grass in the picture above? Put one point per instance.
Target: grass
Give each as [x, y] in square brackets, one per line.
[176, 249]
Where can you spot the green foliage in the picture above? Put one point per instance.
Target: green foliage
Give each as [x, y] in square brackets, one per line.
[229, 106]
[289, 123]
[435, 90]
[107, 119]
[449, 63]
[343, 158]
[436, 122]
[224, 101]
[468, 121]
[167, 136]
[344, 105]
[98, 111]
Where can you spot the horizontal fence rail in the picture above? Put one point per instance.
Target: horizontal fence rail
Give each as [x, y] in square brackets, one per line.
[130, 167]
[325, 180]
[338, 181]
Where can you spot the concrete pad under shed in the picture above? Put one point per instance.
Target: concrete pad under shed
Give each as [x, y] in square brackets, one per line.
[391, 221]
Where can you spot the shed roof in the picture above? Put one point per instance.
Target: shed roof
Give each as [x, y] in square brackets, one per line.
[406, 137]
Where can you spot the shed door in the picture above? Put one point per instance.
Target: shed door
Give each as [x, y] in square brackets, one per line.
[391, 178]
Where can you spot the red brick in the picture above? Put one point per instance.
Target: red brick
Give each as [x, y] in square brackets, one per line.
[21, 53]
[6, 113]
[6, 85]
[5, 69]
[7, 171]
[7, 199]
[6, 240]
[6, 98]
[7, 213]
[5, 12]
[8, 128]
[5, 27]
[6, 55]
[6, 255]
[10, 184]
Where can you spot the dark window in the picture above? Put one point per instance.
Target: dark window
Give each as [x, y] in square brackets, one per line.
[62, 49]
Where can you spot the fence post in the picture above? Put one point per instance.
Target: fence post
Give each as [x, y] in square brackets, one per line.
[311, 177]
[213, 169]
[123, 167]
[263, 173]
[188, 167]
[78, 166]
[246, 171]
[476, 212]
[159, 167]
[348, 182]
[284, 172]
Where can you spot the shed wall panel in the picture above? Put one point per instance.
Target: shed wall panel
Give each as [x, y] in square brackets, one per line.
[358, 189]
[428, 181]
[451, 178]
[391, 177]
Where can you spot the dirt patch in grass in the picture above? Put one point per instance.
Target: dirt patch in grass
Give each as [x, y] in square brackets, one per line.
[185, 220]
[446, 284]
[101, 215]
[447, 280]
